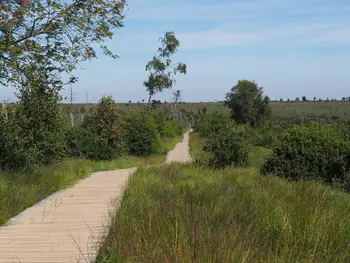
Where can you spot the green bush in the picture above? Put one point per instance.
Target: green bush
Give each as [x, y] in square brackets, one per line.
[33, 133]
[212, 123]
[227, 147]
[171, 129]
[101, 136]
[159, 116]
[74, 142]
[312, 152]
[142, 134]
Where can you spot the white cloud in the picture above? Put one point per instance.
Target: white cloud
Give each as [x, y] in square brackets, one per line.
[238, 23]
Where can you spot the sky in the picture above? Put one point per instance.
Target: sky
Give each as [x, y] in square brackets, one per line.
[292, 48]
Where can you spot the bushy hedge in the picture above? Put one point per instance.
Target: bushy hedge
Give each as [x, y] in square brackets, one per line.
[171, 129]
[33, 133]
[227, 147]
[208, 124]
[267, 136]
[101, 136]
[142, 134]
[312, 152]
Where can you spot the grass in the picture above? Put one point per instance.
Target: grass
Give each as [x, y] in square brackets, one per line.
[19, 191]
[187, 213]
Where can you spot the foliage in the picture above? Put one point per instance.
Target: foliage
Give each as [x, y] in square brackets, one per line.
[171, 129]
[268, 135]
[311, 152]
[159, 115]
[210, 123]
[74, 142]
[247, 103]
[227, 147]
[161, 70]
[34, 131]
[103, 131]
[53, 35]
[142, 134]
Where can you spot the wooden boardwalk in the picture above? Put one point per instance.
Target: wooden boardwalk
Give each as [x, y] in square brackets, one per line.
[68, 225]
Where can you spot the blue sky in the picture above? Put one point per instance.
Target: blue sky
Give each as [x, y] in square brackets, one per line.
[290, 47]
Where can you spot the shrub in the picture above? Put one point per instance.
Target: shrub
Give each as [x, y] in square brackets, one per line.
[142, 134]
[102, 133]
[74, 142]
[159, 116]
[227, 147]
[212, 123]
[313, 152]
[171, 129]
[34, 132]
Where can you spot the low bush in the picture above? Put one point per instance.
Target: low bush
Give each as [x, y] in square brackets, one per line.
[159, 116]
[171, 129]
[212, 123]
[227, 147]
[142, 134]
[75, 147]
[312, 152]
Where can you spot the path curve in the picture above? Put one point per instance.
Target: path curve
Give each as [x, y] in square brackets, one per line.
[68, 225]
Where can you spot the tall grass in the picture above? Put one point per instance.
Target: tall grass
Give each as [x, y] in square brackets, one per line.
[193, 214]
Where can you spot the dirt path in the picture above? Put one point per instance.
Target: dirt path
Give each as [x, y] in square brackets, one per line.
[180, 153]
[68, 225]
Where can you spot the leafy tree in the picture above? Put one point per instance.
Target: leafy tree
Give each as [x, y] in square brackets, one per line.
[343, 99]
[247, 103]
[34, 131]
[315, 99]
[281, 100]
[161, 70]
[39, 40]
[54, 35]
[297, 99]
[304, 98]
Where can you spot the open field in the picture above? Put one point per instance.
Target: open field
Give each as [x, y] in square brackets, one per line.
[280, 110]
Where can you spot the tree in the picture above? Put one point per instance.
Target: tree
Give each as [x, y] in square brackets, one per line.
[343, 99]
[40, 40]
[304, 98]
[297, 99]
[315, 99]
[281, 100]
[161, 70]
[175, 113]
[53, 35]
[247, 103]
